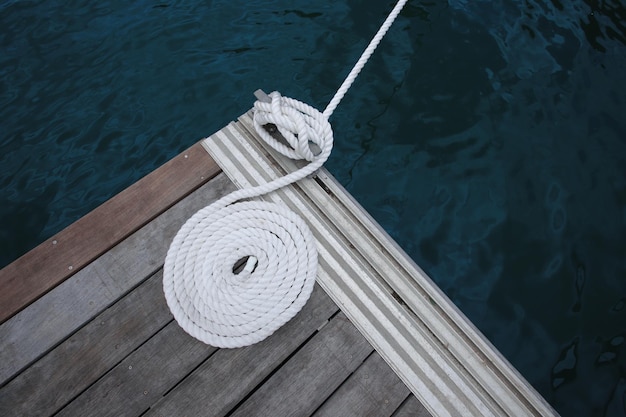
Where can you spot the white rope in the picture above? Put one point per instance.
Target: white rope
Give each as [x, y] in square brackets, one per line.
[365, 56]
[209, 297]
[228, 309]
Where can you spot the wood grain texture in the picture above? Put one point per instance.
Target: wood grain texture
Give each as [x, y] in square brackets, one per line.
[300, 386]
[229, 375]
[143, 377]
[66, 253]
[70, 368]
[45, 323]
[373, 390]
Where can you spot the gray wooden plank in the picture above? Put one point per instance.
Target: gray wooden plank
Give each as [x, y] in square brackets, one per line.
[411, 408]
[230, 375]
[300, 386]
[47, 385]
[45, 323]
[143, 377]
[373, 390]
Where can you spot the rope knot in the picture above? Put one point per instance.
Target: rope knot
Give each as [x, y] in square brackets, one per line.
[307, 131]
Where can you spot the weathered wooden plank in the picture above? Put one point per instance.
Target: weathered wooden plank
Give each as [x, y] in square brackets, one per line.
[64, 254]
[230, 375]
[301, 385]
[143, 377]
[70, 368]
[411, 408]
[373, 390]
[35, 330]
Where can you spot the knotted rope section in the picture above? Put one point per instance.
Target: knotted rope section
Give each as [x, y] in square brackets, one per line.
[238, 270]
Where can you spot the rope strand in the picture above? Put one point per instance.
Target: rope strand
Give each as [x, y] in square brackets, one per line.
[365, 56]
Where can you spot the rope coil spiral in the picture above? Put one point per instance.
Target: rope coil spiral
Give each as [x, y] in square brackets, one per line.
[210, 297]
[225, 308]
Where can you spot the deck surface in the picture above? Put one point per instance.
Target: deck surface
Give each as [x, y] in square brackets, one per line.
[100, 340]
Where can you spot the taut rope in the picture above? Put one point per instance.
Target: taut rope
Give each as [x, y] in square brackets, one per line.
[237, 271]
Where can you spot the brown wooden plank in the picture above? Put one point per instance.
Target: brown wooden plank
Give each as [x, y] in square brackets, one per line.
[228, 376]
[69, 369]
[59, 257]
[412, 408]
[300, 386]
[49, 320]
[373, 390]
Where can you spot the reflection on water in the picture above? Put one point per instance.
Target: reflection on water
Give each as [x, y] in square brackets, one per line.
[604, 24]
[565, 368]
[487, 137]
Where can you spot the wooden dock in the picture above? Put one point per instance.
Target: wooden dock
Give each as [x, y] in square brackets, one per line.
[87, 332]
[85, 329]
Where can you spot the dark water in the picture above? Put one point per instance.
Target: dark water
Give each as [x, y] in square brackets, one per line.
[487, 137]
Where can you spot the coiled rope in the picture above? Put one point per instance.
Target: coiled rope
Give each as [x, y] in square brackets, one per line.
[238, 270]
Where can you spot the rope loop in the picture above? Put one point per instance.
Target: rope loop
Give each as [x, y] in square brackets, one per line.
[300, 124]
